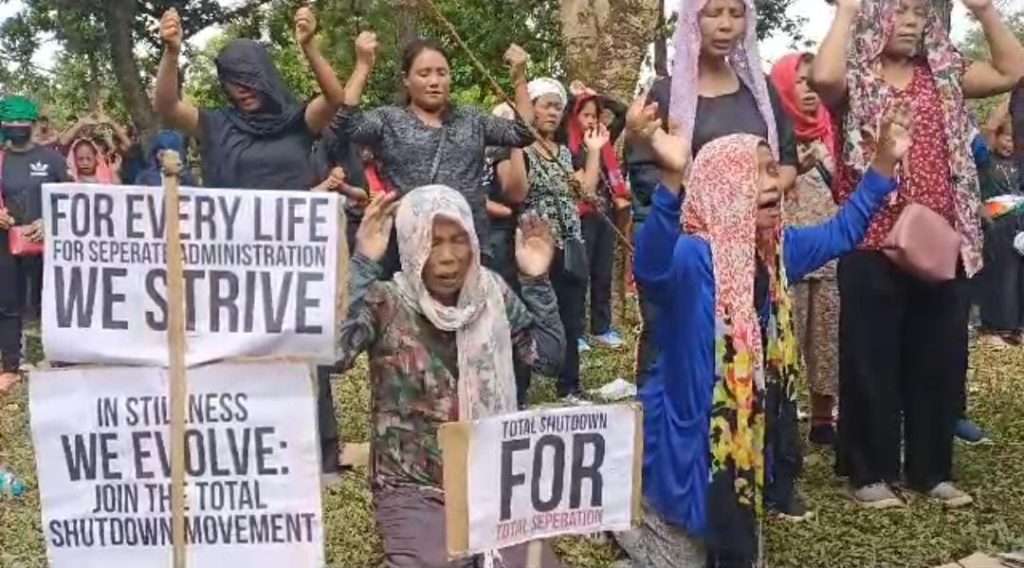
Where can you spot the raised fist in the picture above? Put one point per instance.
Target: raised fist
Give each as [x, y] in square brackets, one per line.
[170, 30]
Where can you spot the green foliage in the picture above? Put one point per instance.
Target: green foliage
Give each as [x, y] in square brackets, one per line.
[487, 27]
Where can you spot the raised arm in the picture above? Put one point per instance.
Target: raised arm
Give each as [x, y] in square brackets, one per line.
[515, 184]
[517, 59]
[538, 337]
[359, 330]
[645, 128]
[366, 58]
[321, 109]
[174, 112]
[988, 78]
[73, 131]
[808, 248]
[828, 72]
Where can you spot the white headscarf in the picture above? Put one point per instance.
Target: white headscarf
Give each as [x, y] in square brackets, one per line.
[547, 86]
[486, 382]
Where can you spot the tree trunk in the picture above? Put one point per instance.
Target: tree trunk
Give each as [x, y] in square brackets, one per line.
[606, 42]
[661, 44]
[120, 15]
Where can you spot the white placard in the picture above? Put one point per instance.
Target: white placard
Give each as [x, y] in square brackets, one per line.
[260, 274]
[551, 472]
[252, 466]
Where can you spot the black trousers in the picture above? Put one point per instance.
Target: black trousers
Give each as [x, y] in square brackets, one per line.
[647, 347]
[1001, 290]
[503, 261]
[902, 365]
[327, 422]
[17, 278]
[599, 238]
[572, 302]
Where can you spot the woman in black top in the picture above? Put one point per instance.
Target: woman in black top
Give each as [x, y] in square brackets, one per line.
[264, 140]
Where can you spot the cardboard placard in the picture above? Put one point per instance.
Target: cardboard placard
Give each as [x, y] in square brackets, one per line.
[252, 465]
[540, 474]
[261, 274]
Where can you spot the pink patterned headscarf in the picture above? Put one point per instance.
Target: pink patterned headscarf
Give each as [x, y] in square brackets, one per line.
[745, 60]
[869, 97]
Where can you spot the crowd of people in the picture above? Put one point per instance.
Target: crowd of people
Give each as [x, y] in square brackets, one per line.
[773, 222]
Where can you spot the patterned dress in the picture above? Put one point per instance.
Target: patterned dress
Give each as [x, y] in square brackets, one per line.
[816, 297]
[414, 368]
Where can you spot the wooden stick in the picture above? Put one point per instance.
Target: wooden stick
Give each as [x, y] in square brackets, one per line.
[533, 553]
[175, 352]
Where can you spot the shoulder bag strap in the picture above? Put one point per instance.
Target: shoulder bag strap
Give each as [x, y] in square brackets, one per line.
[437, 154]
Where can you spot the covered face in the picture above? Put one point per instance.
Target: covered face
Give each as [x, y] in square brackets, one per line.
[252, 82]
[438, 244]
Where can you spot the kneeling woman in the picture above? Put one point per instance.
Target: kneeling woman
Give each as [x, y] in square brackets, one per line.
[441, 337]
[727, 343]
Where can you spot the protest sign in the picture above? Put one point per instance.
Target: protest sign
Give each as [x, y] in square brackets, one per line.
[261, 274]
[251, 457]
[539, 474]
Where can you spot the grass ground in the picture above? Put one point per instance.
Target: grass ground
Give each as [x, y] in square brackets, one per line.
[841, 536]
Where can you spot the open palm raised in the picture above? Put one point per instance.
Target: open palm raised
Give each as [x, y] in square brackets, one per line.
[535, 246]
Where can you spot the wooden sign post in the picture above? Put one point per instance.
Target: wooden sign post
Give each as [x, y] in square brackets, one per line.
[175, 351]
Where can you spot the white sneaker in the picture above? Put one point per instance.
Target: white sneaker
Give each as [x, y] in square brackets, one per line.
[877, 496]
[950, 496]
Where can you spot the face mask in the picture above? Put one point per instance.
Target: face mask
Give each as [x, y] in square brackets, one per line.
[18, 135]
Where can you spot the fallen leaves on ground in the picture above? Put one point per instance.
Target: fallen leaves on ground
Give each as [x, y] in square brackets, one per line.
[840, 536]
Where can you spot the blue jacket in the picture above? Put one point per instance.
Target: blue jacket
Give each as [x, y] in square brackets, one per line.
[676, 271]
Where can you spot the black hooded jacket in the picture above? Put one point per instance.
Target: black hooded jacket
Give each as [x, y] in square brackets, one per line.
[269, 149]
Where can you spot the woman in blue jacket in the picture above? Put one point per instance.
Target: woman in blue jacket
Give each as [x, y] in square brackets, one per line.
[718, 267]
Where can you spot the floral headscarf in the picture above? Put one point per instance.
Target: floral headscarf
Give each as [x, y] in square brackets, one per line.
[745, 60]
[722, 200]
[869, 97]
[486, 383]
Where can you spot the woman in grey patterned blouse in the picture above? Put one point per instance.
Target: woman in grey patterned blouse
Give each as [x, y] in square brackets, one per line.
[431, 140]
[551, 172]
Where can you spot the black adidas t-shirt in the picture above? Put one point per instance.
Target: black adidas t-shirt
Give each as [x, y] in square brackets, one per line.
[23, 175]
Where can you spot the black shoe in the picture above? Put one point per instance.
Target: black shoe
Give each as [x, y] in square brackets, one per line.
[822, 435]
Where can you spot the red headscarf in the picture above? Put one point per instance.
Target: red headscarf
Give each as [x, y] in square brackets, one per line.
[608, 158]
[808, 128]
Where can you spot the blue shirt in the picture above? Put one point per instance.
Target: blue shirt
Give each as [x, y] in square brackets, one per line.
[676, 271]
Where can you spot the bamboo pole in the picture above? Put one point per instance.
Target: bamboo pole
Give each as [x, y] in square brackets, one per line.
[533, 554]
[171, 163]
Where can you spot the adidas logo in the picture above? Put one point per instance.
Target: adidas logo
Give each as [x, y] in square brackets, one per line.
[39, 169]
